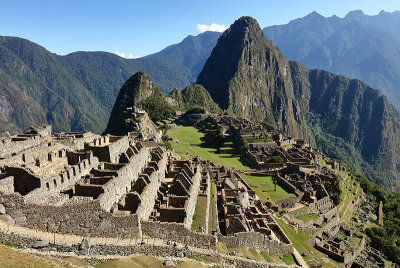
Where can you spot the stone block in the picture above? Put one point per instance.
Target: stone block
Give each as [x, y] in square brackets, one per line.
[85, 246]
[41, 244]
[7, 219]
[2, 210]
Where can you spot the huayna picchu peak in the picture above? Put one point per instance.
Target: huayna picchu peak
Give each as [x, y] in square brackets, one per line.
[249, 77]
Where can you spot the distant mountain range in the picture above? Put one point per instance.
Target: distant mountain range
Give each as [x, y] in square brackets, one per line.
[77, 91]
[358, 46]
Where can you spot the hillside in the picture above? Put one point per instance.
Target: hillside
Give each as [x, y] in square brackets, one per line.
[247, 76]
[77, 91]
[358, 46]
[139, 90]
[346, 118]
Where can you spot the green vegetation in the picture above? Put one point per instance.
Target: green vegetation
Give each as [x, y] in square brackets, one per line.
[190, 140]
[385, 238]
[307, 217]
[77, 91]
[288, 259]
[11, 258]
[195, 97]
[157, 107]
[138, 90]
[275, 159]
[265, 188]
[213, 221]
[247, 253]
[334, 190]
[9, 244]
[199, 215]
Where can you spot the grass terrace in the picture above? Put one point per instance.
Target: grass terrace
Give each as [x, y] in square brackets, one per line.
[265, 188]
[307, 217]
[189, 140]
[300, 242]
[199, 217]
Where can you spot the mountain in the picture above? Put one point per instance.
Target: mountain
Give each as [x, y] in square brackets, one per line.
[193, 96]
[358, 46]
[77, 91]
[139, 90]
[248, 76]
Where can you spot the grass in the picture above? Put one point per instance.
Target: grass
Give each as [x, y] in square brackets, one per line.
[212, 219]
[307, 217]
[190, 141]
[247, 253]
[299, 241]
[145, 262]
[199, 216]
[265, 188]
[288, 259]
[10, 257]
[9, 244]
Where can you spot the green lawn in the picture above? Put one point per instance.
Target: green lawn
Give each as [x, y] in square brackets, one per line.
[299, 241]
[189, 141]
[212, 222]
[265, 188]
[199, 216]
[288, 259]
[307, 217]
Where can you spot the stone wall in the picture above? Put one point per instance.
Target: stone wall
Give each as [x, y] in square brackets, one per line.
[62, 181]
[9, 146]
[191, 203]
[149, 194]
[177, 232]
[122, 184]
[112, 248]
[83, 218]
[208, 203]
[258, 241]
[7, 185]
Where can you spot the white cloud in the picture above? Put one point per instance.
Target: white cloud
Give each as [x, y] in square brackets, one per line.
[123, 55]
[133, 57]
[120, 54]
[213, 27]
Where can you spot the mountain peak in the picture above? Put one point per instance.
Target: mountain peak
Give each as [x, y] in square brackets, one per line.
[244, 24]
[136, 89]
[355, 14]
[248, 76]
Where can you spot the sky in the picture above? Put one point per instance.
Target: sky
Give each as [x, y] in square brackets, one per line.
[137, 28]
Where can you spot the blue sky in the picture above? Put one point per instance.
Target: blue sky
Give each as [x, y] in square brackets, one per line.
[139, 28]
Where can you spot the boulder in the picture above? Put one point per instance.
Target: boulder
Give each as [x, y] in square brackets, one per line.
[7, 219]
[85, 246]
[41, 244]
[2, 210]
[169, 263]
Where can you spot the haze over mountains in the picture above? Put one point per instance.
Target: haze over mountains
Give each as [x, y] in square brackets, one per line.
[77, 91]
[358, 46]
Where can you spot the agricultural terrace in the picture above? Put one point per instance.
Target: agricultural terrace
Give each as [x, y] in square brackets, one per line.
[265, 188]
[189, 140]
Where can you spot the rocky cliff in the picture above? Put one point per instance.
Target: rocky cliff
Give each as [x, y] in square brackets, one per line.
[248, 76]
[138, 90]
